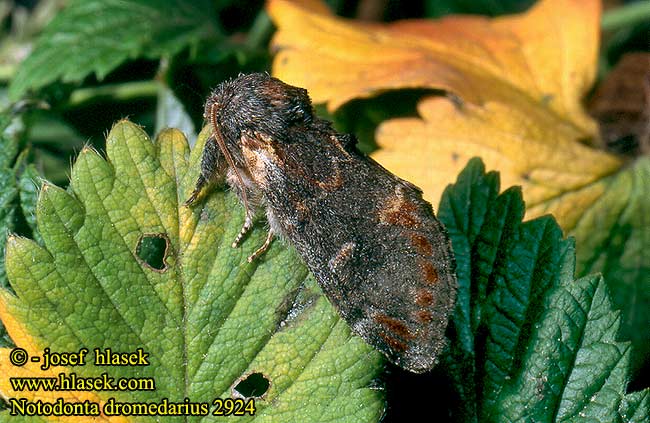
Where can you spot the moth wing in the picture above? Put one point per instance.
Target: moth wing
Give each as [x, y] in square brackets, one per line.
[399, 280]
[374, 245]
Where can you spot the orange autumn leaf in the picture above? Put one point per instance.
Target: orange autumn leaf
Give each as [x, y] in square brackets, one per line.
[545, 57]
[517, 82]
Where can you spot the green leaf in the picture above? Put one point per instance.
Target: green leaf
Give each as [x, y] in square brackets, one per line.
[170, 113]
[8, 194]
[208, 318]
[98, 35]
[8, 190]
[8, 143]
[17, 189]
[635, 406]
[6, 417]
[613, 237]
[573, 368]
[29, 183]
[528, 342]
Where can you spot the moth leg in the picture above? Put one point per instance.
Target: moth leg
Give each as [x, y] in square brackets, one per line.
[248, 224]
[200, 183]
[263, 248]
[211, 166]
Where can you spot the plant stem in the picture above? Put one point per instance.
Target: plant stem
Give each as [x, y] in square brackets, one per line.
[260, 31]
[122, 92]
[627, 15]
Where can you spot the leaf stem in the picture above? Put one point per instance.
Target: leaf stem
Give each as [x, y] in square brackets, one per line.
[122, 91]
[627, 15]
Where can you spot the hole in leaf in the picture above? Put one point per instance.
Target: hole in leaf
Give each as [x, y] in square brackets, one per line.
[253, 385]
[152, 251]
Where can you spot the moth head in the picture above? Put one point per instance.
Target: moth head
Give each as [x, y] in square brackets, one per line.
[257, 102]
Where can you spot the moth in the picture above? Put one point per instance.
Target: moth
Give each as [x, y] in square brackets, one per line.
[373, 244]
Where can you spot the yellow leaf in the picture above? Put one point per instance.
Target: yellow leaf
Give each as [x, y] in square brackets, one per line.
[545, 160]
[544, 59]
[516, 85]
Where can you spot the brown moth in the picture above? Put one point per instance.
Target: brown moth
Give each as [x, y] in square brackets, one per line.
[373, 244]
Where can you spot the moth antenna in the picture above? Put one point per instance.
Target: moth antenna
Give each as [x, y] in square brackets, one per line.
[222, 146]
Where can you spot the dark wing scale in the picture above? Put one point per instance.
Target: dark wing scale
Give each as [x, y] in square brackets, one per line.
[374, 245]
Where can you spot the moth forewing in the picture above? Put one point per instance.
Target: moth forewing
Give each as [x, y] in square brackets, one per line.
[374, 245]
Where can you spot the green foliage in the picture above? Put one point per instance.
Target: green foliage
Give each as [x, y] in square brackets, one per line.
[529, 341]
[97, 36]
[209, 317]
[28, 185]
[8, 193]
[619, 250]
[18, 190]
[6, 417]
[170, 113]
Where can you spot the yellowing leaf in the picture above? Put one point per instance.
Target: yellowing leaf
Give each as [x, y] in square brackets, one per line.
[543, 61]
[525, 151]
[517, 81]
